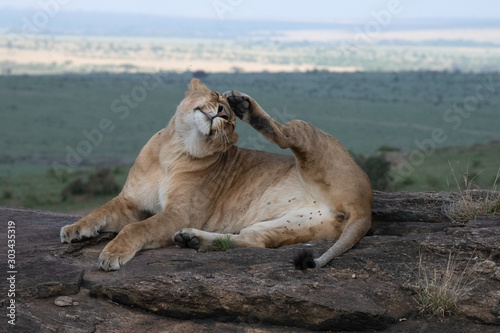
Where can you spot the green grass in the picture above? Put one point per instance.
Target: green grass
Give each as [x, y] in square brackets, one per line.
[44, 191]
[441, 170]
[44, 116]
[222, 244]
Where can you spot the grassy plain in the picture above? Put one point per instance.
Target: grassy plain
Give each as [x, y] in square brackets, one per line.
[454, 168]
[45, 117]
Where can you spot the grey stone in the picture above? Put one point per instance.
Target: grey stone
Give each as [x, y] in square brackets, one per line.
[63, 301]
[253, 289]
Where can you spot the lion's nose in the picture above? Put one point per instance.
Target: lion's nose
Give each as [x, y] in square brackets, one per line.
[221, 112]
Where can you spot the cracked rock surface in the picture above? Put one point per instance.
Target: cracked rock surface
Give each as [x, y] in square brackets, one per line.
[369, 288]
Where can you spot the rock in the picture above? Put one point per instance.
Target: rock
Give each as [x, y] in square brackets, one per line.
[411, 207]
[40, 273]
[266, 293]
[63, 301]
[497, 273]
[485, 267]
[257, 290]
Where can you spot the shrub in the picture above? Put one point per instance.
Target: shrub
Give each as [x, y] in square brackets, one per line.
[200, 74]
[377, 168]
[101, 182]
[387, 149]
[8, 194]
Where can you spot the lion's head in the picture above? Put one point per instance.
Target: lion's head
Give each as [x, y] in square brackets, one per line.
[205, 122]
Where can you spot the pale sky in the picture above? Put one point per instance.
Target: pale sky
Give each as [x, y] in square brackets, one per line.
[289, 10]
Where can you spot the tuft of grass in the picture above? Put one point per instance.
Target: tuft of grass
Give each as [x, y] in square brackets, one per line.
[222, 244]
[471, 201]
[439, 292]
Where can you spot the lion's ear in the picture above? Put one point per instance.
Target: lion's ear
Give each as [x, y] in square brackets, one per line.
[196, 86]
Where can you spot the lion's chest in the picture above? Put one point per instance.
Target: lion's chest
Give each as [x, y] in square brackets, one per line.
[196, 195]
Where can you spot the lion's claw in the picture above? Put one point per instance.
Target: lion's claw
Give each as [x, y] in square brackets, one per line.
[73, 233]
[116, 254]
[109, 262]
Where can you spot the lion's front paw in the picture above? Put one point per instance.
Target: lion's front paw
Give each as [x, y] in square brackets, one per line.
[74, 232]
[185, 239]
[240, 103]
[114, 256]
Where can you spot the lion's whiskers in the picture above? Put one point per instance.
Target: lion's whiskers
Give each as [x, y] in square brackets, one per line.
[224, 139]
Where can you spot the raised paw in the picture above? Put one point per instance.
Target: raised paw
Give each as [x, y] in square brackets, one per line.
[76, 233]
[240, 103]
[185, 239]
[114, 256]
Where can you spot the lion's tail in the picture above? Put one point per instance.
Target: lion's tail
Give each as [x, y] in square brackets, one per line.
[354, 231]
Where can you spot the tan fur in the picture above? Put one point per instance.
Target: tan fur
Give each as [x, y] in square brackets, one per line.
[191, 184]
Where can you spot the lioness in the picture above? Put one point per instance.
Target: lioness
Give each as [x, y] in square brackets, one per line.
[191, 185]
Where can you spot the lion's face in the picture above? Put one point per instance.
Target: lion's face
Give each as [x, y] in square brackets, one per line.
[205, 122]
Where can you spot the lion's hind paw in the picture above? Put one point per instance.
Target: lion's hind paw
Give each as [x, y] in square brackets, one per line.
[184, 239]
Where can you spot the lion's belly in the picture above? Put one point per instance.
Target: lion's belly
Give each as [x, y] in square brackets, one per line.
[248, 206]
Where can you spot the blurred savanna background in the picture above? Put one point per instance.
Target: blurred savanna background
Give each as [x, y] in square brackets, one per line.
[410, 88]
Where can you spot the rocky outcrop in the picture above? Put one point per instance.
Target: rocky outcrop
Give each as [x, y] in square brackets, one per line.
[370, 287]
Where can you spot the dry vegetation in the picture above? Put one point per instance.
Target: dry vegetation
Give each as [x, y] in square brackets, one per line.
[471, 201]
[438, 292]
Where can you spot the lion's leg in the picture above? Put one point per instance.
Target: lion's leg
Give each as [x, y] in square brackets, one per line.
[296, 227]
[248, 110]
[305, 140]
[154, 232]
[316, 152]
[111, 217]
[327, 170]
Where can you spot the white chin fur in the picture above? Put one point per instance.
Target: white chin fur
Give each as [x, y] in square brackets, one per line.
[194, 133]
[202, 122]
[218, 123]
